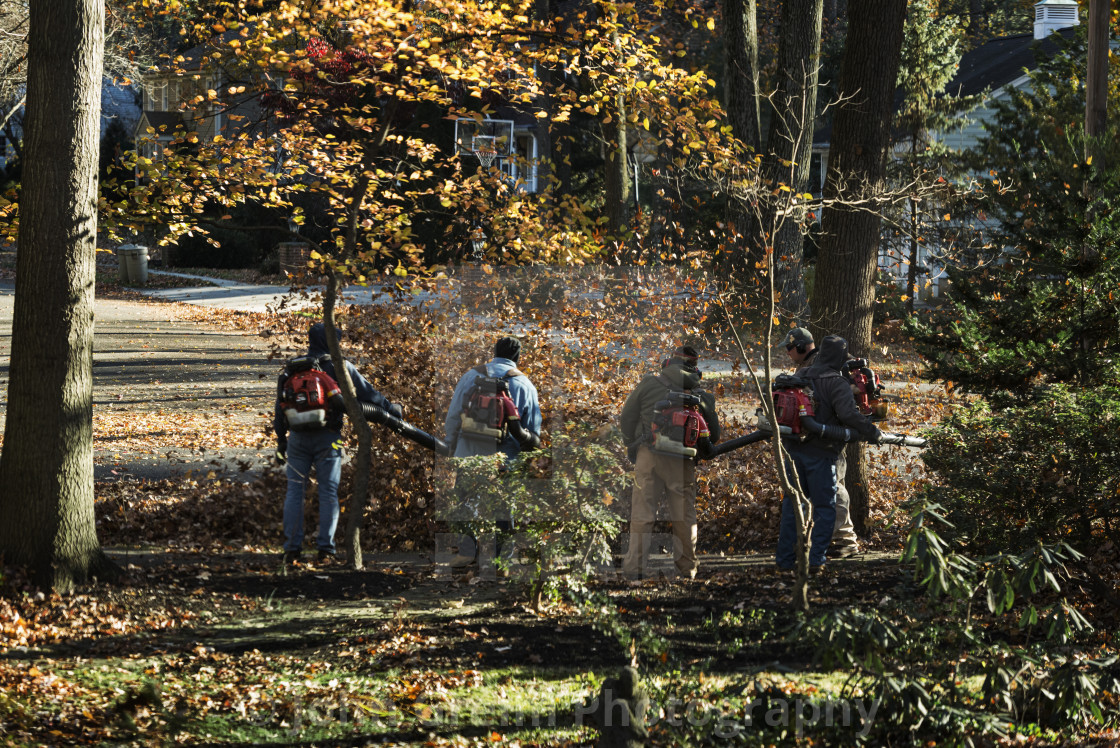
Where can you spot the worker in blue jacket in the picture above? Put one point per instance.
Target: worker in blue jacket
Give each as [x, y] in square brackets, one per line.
[464, 443]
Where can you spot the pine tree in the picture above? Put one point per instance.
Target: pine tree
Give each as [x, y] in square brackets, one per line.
[1036, 300]
[931, 53]
[1033, 326]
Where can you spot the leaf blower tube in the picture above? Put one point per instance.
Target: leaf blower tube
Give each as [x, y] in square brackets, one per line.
[810, 425]
[375, 414]
[732, 444]
[842, 434]
[526, 438]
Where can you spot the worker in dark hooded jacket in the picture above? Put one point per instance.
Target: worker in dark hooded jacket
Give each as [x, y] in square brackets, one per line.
[322, 448]
[815, 458]
[657, 473]
[799, 345]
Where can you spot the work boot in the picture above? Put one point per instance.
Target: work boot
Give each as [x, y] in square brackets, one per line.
[291, 558]
[325, 558]
[845, 551]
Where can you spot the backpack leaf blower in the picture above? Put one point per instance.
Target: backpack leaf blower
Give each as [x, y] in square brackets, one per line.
[793, 405]
[490, 413]
[375, 414]
[678, 428]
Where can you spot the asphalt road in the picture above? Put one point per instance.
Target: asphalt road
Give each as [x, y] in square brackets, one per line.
[173, 396]
[170, 396]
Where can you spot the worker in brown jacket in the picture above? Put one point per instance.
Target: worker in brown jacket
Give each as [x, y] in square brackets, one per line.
[667, 421]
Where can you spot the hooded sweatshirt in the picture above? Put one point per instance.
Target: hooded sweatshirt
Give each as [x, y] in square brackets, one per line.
[637, 412]
[836, 405]
[317, 347]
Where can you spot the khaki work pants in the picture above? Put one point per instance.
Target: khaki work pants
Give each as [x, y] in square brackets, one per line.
[655, 476]
[844, 532]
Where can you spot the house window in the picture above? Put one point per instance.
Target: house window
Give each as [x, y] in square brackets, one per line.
[523, 165]
[157, 97]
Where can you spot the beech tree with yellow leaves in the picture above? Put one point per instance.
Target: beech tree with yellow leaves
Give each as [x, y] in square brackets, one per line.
[343, 114]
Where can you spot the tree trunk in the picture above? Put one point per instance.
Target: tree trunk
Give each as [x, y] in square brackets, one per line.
[740, 41]
[844, 292]
[789, 144]
[359, 498]
[741, 99]
[616, 163]
[617, 175]
[46, 471]
[548, 73]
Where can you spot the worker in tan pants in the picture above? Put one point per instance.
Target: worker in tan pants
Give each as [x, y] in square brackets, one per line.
[675, 479]
[658, 474]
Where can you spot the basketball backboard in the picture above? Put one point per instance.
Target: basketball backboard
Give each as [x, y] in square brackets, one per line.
[472, 135]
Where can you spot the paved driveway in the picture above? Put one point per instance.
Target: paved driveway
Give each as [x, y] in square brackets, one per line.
[169, 395]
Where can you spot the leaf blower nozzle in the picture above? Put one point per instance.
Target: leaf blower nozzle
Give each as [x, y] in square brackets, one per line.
[378, 415]
[903, 440]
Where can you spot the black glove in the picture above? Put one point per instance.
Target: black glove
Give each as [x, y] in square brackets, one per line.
[395, 410]
[876, 438]
[281, 455]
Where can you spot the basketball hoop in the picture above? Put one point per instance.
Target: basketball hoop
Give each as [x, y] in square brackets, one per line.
[484, 150]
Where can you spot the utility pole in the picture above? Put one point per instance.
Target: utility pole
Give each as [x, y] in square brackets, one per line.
[1096, 83]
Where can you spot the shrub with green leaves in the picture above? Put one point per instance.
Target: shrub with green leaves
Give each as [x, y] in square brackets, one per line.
[1043, 470]
[951, 670]
[561, 500]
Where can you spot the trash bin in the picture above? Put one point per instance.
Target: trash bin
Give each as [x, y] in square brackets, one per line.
[122, 263]
[136, 262]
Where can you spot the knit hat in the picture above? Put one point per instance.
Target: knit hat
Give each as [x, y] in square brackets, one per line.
[686, 355]
[800, 337]
[508, 348]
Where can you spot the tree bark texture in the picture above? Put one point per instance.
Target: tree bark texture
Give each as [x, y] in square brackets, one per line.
[844, 289]
[616, 162]
[740, 41]
[46, 471]
[741, 99]
[790, 141]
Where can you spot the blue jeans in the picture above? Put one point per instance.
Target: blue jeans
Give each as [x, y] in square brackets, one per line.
[818, 480]
[323, 449]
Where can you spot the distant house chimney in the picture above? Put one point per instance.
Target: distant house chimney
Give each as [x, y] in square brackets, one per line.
[1054, 15]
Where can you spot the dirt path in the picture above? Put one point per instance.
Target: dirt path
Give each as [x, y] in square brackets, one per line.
[170, 395]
